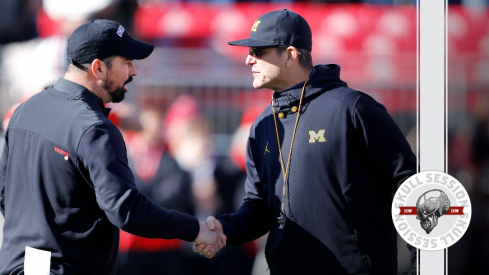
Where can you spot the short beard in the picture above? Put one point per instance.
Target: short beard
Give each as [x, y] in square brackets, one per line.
[116, 95]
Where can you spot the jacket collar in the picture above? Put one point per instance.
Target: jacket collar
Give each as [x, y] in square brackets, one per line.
[322, 79]
[77, 91]
[284, 101]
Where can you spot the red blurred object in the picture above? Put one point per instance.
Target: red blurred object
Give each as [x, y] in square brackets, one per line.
[349, 25]
[129, 242]
[47, 26]
[374, 44]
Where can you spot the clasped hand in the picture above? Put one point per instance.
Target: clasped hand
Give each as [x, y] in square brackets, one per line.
[210, 239]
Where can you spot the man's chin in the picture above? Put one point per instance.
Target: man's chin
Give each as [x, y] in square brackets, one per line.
[118, 99]
[118, 96]
[257, 85]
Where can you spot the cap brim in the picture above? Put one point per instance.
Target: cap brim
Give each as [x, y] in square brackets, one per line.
[137, 50]
[251, 43]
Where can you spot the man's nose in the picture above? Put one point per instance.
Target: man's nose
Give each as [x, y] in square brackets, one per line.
[250, 60]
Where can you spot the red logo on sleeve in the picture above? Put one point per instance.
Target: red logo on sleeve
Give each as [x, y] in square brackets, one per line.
[66, 154]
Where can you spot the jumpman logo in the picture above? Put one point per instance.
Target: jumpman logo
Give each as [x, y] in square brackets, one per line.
[266, 149]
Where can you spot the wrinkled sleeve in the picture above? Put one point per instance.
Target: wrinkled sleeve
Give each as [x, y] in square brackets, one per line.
[254, 218]
[102, 154]
[387, 147]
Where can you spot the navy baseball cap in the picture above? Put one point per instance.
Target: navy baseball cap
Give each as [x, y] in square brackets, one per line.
[101, 38]
[278, 28]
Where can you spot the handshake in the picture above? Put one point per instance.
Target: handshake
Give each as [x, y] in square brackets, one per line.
[210, 239]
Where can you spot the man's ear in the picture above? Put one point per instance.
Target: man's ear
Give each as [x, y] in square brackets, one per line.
[98, 68]
[292, 55]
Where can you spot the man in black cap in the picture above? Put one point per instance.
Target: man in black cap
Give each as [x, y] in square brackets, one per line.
[323, 162]
[65, 184]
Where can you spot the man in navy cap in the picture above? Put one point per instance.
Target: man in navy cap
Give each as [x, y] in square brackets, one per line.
[323, 162]
[65, 184]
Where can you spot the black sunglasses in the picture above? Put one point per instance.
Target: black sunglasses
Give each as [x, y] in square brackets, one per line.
[258, 52]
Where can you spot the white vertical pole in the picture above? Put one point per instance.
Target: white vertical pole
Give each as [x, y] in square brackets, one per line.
[431, 107]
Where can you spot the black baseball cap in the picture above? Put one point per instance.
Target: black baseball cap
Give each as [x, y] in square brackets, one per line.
[278, 28]
[101, 38]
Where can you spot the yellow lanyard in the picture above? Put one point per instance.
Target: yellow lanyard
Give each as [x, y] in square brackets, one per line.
[285, 171]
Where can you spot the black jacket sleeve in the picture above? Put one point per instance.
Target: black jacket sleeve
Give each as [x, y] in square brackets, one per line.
[102, 155]
[251, 221]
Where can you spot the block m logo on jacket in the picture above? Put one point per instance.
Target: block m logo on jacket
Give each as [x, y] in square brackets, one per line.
[319, 136]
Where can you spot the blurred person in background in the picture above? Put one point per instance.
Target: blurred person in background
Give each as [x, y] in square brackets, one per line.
[65, 184]
[480, 140]
[189, 137]
[18, 20]
[36, 32]
[469, 162]
[216, 182]
[237, 157]
[160, 178]
[230, 174]
[323, 162]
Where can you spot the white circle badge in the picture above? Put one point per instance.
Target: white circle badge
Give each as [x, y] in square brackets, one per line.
[431, 210]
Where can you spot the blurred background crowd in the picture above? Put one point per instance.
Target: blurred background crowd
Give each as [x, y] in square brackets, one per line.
[188, 112]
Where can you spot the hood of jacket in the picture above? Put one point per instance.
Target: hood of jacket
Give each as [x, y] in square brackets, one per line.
[323, 78]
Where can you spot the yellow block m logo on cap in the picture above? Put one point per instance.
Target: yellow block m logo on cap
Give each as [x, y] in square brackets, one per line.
[255, 25]
[319, 136]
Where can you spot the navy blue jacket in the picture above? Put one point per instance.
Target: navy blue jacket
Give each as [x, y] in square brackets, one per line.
[65, 186]
[348, 159]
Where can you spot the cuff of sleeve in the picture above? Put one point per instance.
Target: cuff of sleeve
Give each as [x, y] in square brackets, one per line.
[193, 232]
[230, 238]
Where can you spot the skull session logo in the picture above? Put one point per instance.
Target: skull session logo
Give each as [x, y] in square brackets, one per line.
[431, 210]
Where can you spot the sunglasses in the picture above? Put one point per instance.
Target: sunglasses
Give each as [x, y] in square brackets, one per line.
[258, 52]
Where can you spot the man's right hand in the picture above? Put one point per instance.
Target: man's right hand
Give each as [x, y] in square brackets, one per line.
[208, 231]
[210, 239]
